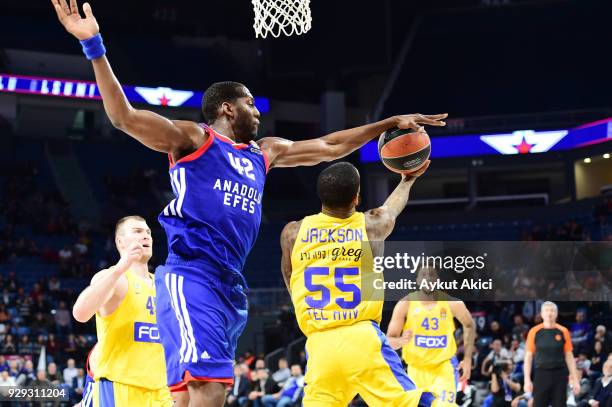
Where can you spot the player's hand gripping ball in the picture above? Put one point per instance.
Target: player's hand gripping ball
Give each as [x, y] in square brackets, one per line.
[404, 150]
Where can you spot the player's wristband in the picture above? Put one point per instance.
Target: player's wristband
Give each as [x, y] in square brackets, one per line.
[93, 47]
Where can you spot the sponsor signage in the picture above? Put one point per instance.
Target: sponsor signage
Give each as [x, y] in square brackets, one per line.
[70, 88]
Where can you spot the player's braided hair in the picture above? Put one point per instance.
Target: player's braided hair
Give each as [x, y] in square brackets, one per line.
[216, 94]
[338, 185]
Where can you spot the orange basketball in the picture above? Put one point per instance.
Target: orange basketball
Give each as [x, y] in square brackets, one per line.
[404, 150]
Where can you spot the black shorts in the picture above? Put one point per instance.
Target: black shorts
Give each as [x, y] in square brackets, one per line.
[550, 388]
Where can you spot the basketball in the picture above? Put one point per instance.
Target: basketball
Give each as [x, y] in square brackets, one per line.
[404, 150]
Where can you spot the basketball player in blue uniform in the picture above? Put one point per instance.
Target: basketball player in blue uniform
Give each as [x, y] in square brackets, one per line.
[217, 173]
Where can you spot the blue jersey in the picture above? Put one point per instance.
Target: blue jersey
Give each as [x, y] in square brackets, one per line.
[216, 211]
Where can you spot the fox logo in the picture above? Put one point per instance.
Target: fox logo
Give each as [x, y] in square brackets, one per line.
[146, 332]
[431, 342]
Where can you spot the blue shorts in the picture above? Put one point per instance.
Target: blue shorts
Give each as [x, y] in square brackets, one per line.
[87, 400]
[200, 315]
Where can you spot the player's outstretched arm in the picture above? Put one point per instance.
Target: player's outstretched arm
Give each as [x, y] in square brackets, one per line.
[397, 338]
[287, 240]
[381, 220]
[462, 314]
[286, 153]
[106, 285]
[151, 129]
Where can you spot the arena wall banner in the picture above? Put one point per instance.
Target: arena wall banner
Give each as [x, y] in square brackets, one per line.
[73, 88]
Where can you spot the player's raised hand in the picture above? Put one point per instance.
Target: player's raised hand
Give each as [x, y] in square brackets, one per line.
[81, 28]
[133, 252]
[414, 175]
[417, 120]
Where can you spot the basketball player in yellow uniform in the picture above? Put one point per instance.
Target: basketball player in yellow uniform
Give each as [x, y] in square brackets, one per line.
[422, 325]
[130, 367]
[324, 263]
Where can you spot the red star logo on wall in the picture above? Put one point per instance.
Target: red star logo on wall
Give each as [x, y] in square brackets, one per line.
[164, 100]
[524, 147]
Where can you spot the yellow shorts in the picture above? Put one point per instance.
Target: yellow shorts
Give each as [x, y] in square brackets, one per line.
[113, 394]
[441, 380]
[356, 359]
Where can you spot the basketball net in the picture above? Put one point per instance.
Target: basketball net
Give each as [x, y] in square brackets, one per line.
[276, 17]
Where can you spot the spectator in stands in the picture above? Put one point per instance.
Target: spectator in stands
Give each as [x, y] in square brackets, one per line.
[520, 328]
[53, 375]
[496, 331]
[9, 346]
[24, 307]
[260, 364]
[583, 364]
[54, 285]
[239, 392]
[283, 373]
[70, 347]
[25, 346]
[7, 299]
[62, 320]
[598, 357]
[26, 375]
[3, 364]
[504, 387]
[5, 382]
[497, 354]
[290, 393]
[52, 346]
[579, 330]
[244, 368]
[70, 372]
[264, 385]
[40, 380]
[36, 293]
[14, 368]
[39, 325]
[41, 306]
[78, 383]
[65, 257]
[601, 394]
[517, 351]
[603, 336]
[38, 345]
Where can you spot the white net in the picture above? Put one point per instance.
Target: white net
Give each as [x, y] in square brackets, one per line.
[276, 17]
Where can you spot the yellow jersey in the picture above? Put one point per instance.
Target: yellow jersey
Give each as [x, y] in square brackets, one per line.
[129, 350]
[331, 264]
[433, 329]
